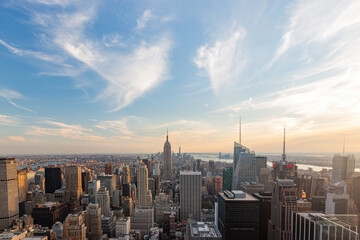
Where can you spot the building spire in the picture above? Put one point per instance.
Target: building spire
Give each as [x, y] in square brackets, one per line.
[284, 155]
[240, 131]
[344, 148]
[167, 135]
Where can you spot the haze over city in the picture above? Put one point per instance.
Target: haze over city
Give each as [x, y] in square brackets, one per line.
[95, 77]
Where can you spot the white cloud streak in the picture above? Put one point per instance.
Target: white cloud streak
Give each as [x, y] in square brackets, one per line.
[10, 95]
[128, 73]
[6, 120]
[147, 16]
[223, 61]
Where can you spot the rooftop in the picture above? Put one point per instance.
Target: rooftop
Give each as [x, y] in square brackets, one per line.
[202, 229]
[247, 197]
[189, 173]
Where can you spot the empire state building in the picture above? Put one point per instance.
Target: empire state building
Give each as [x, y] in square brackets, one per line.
[167, 159]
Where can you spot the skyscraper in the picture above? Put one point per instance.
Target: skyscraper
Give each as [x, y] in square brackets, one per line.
[74, 227]
[227, 178]
[103, 200]
[238, 215]
[343, 167]
[108, 169]
[86, 177]
[126, 171]
[167, 170]
[284, 202]
[93, 222]
[73, 188]
[244, 165]
[190, 195]
[143, 193]
[284, 169]
[9, 201]
[52, 179]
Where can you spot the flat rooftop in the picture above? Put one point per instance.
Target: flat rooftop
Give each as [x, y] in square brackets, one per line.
[189, 173]
[204, 229]
[247, 197]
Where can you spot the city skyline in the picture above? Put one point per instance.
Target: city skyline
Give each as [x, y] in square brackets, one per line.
[89, 77]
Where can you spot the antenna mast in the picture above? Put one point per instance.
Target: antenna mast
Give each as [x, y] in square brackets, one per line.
[284, 155]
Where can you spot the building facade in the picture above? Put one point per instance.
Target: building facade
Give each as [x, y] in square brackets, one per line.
[52, 179]
[190, 195]
[93, 222]
[9, 195]
[73, 188]
[167, 163]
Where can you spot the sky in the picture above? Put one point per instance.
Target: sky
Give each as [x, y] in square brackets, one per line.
[91, 76]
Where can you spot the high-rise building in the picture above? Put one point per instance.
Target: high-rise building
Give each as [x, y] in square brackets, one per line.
[93, 222]
[86, 177]
[126, 171]
[167, 169]
[315, 225]
[103, 200]
[260, 162]
[122, 226]
[217, 183]
[108, 181]
[109, 169]
[284, 169]
[343, 167]
[212, 166]
[23, 184]
[74, 227]
[265, 212]
[52, 179]
[227, 179]
[73, 188]
[238, 215]
[144, 196]
[93, 187]
[49, 213]
[251, 188]
[244, 166]
[9, 195]
[142, 219]
[190, 195]
[284, 202]
[355, 191]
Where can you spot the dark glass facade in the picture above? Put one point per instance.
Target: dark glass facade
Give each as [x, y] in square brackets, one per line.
[52, 179]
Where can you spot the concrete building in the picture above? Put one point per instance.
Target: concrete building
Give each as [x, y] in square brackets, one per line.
[74, 227]
[108, 181]
[260, 162]
[284, 202]
[9, 195]
[86, 177]
[343, 167]
[336, 203]
[144, 196]
[73, 188]
[122, 226]
[93, 222]
[103, 200]
[238, 215]
[251, 188]
[202, 231]
[167, 164]
[58, 229]
[142, 219]
[108, 224]
[265, 199]
[52, 179]
[217, 183]
[109, 169]
[316, 226]
[128, 206]
[190, 195]
[126, 175]
[93, 187]
[23, 184]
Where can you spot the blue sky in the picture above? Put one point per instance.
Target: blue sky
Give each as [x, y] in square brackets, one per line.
[85, 76]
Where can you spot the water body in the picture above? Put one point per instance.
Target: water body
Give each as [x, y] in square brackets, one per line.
[213, 156]
[39, 165]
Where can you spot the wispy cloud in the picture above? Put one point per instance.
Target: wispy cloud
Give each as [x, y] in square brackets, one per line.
[17, 138]
[63, 130]
[6, 120]
[318, 22]
[128, 73]
[9, 95]
[147, 16]
[224, 60]
[117, 126]
[35, 54]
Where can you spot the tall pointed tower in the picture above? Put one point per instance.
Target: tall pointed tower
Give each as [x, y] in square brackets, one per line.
[167, 169]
